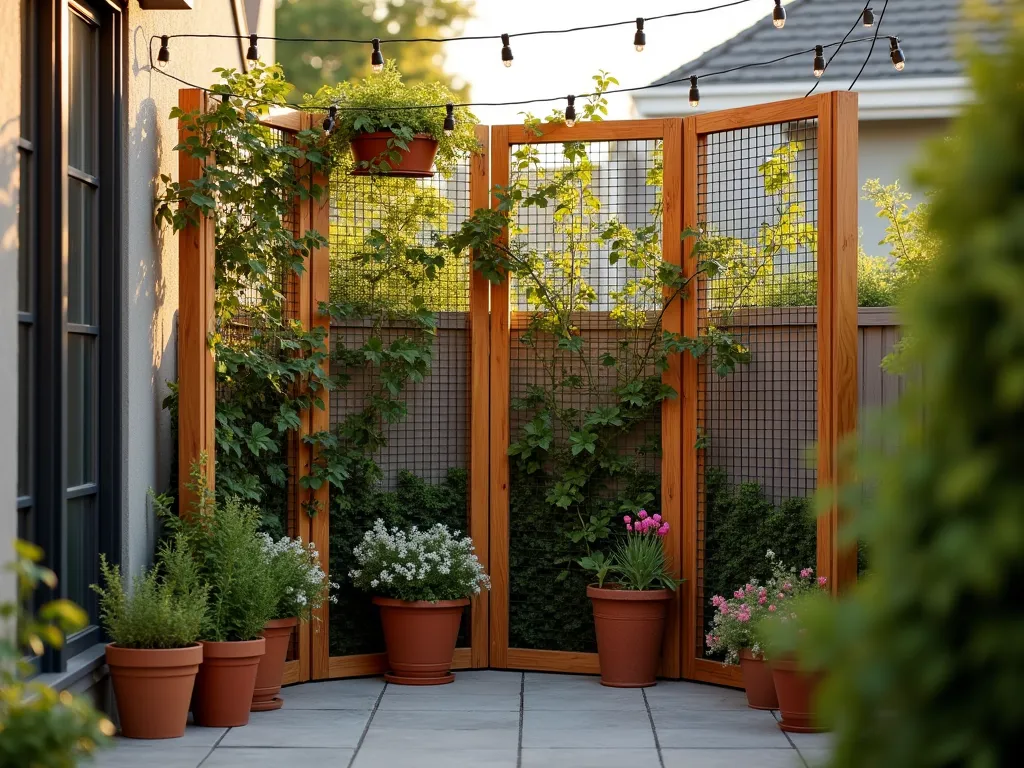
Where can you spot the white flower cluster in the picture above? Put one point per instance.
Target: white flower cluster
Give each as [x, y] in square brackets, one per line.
[301, 579]
[434, 564]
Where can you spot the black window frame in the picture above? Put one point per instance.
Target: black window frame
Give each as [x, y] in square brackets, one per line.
[48, 77]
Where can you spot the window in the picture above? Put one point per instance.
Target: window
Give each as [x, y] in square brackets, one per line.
[69, 295]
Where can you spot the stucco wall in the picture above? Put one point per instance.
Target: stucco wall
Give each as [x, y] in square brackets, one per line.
[10, 129]
[150, 301]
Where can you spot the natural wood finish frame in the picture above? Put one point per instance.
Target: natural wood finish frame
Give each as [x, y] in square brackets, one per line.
[196, 377]
[552, 661]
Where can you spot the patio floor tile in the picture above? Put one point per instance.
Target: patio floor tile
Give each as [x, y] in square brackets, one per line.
[669, 694]
[590, 758]
[333, 694]
[306, 728]
[194, 737]
[731, 758]
[278, 757]
[443, 730]
[431, 698]
[587, 729]
[550, 697]
[170, 755]
[693, 729]
[451, 757]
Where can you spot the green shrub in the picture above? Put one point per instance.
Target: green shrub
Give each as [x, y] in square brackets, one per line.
[926, 653]
[166, 607]
[300, 585]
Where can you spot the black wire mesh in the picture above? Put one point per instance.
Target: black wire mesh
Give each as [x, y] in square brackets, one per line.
[420, 475]
[614, 308]
[758, 208]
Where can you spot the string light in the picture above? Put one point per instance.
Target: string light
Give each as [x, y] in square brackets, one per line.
[570, 113]
[332, 115]
[869, 17]
[252, 54]
[164, 54]
[506, 50]
[694, 92]
[376, 58]
[640, 38]
[449, 119]
[899, 61]
[819, 61]
[779, 15]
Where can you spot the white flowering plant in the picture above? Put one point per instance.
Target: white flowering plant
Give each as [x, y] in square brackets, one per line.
[433, 564]
[300, 583]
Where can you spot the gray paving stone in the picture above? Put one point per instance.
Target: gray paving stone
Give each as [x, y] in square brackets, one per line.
[443, 730]
[334, 694]
[670, 694]
[307, 728]
[815, 757]
[583, 698]
[162, 753]
[731, 758]
[540, 680]
[467, 700]
[194, 737]
[590, 758]
[278, 757]
[593, 729]
[453, 757]
[812, 741]
[487, 682]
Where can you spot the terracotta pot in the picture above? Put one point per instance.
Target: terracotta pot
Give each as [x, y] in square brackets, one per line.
[420, 638]
[278, 634]
[225, 683]
[795, 689]
[417, 162]
[629, 627]
[153, 687]
[757, 681]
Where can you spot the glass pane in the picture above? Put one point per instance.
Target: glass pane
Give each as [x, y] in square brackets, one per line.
[24, 409]
[81, 253]
[81, 409]
[25, 244]
[81, 545]
[83, 82]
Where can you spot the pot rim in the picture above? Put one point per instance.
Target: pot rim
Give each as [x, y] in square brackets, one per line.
[391, 602]
[386, 134]
[119, 656]
[233, 649]
[291, 621]
[746, 653]
[614, 592]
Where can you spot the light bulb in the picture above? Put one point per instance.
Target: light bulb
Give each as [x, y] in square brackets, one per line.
[449, 119]
[869, 18]
[164, 54]
[506, 51]
[570, 112]
[779, 15]
[640, 38]
[376, 58]
[819, 61]
[332, 114]
[252, 54]
[694, 92]
[899, 60]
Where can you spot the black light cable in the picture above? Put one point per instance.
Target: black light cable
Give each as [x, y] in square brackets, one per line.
[874, 39]
[846, 37]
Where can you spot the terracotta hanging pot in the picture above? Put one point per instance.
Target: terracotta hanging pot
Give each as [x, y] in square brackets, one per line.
[225, 683]
[420, 638]
[757, 681]
[795, 689]
[629, 627]
[368, 149]
[278, 634]
[153, 687]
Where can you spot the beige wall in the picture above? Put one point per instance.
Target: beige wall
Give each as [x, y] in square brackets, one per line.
[10, 130]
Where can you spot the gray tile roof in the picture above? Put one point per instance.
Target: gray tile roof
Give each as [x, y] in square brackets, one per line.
[927, 28]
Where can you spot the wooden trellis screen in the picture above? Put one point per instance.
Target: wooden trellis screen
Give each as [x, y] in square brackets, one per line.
[759, 426]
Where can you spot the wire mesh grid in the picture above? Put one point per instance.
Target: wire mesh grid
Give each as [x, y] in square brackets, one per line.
[758, 210]
[608, 192]
[420, 474]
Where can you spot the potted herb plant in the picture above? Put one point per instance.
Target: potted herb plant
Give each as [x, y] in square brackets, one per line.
[421, 581]
[300, 587]
[731, 634]
[222, 539]
[154, 655]
[380, 120]
[629, 613]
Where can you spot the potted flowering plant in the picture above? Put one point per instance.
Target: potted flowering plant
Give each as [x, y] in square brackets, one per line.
[629, 613]
[154, 655]
[301, 587]
[421, 581]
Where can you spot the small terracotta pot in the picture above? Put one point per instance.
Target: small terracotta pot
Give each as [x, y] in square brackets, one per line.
[417, 162]
[757, 681]
[225, 683]
[795, 689]
[629, 627]
[420, 637]
[278, 634]
[153, 687]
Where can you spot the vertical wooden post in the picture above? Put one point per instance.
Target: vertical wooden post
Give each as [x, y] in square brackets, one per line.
[196, 379]
[479, 406]
[672, 408]
[500, 432]
[837, 318]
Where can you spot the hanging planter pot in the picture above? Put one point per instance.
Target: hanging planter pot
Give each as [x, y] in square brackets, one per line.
[376, 154]
[795, 689]
[153, 687]
[420, 637]
[629, 626]
[278, 634]
[757, 681]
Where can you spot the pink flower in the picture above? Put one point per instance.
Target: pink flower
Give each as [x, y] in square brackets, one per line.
[629, 527]
[822, 580]
[663, 531]
[642, 514]
[717, 600]
[762, 600]
[738, 594]
[749, 588]
[709, 639]
[762, 591]
[656, 518]
[771, 608]
[806, 573]
[781, 596]
[724, 609]
[627, 519]
[787, 586]
[743, 617]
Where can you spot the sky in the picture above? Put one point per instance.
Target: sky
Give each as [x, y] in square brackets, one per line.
[557, 65]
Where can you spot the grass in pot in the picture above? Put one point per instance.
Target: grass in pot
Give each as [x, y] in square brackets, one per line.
[379, 120]
[629, 612]
[300, 588]
[154, 655]
[421, 580]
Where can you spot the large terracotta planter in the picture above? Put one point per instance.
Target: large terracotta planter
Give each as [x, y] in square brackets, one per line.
[278, 634]
[420, 638]
[417, 163]
[629, 627]
[757, 681]
[225, 683]
[795, 689]
[153, 687]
